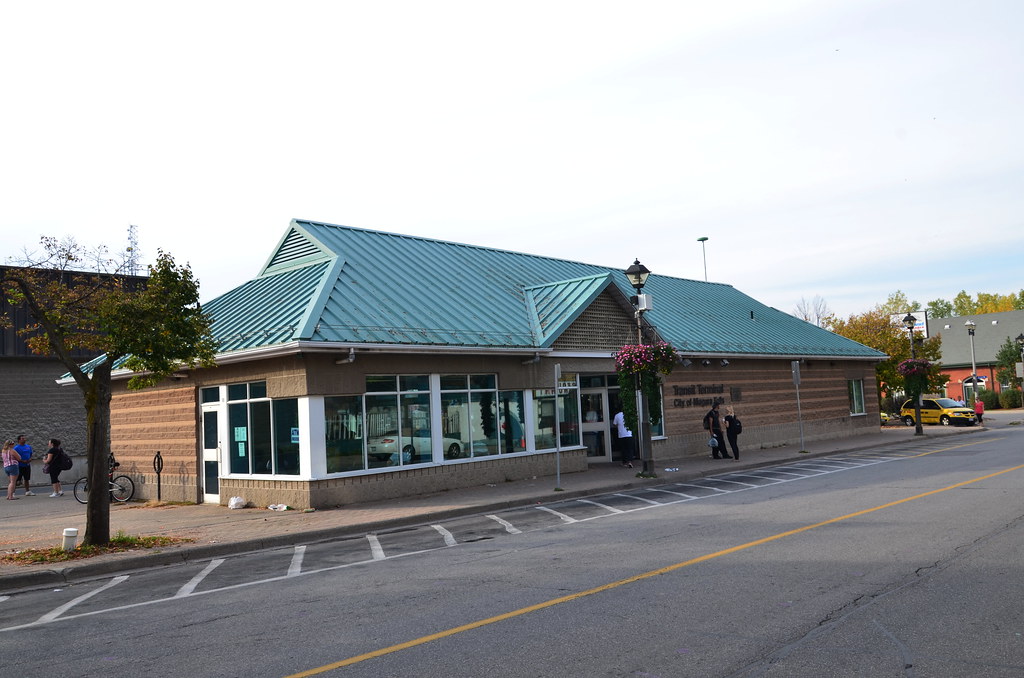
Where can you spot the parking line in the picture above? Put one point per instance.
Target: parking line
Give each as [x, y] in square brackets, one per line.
[565, 518]
[511, 529]
[376, 550]
[598, 504]
[188, 588]
[50, 616]
[449, 538]
[296, 564]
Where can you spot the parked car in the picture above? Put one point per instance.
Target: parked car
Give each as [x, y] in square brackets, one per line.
[886, 418]
[945, 411]
[415, 449]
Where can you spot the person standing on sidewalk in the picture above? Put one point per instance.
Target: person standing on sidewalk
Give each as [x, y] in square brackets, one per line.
[11, 461]
[713, 423]
[25, 467]
[52, 464]
[733, 428]
[625, 439]
[979, 408]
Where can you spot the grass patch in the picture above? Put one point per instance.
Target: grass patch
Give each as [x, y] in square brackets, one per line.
[119, 542]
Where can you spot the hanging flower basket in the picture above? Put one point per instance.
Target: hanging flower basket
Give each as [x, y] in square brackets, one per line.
[639, 367]
[914, 367]
[657, 358]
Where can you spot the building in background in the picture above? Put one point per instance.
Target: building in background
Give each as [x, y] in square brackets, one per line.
[991, 330]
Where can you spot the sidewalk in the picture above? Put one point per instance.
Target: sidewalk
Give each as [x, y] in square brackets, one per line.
[39, 521]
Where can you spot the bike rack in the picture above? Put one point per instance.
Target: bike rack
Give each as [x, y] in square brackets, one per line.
[158, 466]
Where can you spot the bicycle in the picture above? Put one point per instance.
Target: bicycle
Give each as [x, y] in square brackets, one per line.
[122, 488]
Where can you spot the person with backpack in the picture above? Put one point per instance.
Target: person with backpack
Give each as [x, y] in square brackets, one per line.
[54, 463]
[713, 423]
[11, 461]
[733, 427]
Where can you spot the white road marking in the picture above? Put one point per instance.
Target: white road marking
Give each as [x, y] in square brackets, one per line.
[507, 525]
[50, 616]
[376, 550]
[678, 494]
[565, 518]
[188, 588]
[449, 538]
[629, 496]
[296, 564]
[600, 505]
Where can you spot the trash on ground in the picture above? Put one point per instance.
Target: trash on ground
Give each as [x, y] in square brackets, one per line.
[236, 503]
[279, 507]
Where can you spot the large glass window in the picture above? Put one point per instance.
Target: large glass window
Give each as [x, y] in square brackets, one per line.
[398, 424]
[564, 405]
[512, 415]
[343, 433]
[264, 434]
[469, 415]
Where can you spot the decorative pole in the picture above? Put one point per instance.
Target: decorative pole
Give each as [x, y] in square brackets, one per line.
[637, 274]
[910, 322]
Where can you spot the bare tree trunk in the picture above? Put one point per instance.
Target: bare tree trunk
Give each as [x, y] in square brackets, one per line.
[97, 417]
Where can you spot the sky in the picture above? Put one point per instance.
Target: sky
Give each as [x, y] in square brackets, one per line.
[841, 149]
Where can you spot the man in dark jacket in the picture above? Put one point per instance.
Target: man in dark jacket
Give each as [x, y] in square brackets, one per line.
[713, 423]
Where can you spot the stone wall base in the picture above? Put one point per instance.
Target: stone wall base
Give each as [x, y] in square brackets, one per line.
[333, 492]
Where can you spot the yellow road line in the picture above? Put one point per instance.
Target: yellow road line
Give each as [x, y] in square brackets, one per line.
[955, 447]
[629, 580]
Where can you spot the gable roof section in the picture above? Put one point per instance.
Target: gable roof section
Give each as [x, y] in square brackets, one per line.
[338, 284]
[553, 307]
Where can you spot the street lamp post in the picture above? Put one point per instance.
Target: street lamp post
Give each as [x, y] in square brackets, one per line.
[703, 239]
[637, 274]
[909, 322]
[974, 367]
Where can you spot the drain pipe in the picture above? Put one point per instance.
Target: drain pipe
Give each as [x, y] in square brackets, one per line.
[350, 359]
[534, 360]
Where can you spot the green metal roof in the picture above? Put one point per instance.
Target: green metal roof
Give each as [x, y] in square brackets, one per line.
[352, 286]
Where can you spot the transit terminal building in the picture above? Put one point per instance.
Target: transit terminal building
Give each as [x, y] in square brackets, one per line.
[363, 365]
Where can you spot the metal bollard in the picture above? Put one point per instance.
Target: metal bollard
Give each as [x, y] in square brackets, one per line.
[70, 538]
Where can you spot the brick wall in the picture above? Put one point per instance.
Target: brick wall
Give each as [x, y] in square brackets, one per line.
[165, 419]
[764, 398]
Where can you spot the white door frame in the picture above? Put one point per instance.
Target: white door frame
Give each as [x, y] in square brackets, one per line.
[212, 455]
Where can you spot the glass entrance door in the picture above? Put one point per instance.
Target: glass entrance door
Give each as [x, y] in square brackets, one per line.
[595, 424]
[210, 468]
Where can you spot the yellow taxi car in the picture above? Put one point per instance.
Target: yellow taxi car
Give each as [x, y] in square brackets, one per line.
[945, 411]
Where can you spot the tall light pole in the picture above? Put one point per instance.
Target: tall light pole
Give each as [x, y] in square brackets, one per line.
[910, 322]
[974, 368]
[637, 274]
[703, 239]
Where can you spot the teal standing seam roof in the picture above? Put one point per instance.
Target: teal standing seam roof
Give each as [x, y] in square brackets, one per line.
[351, 286]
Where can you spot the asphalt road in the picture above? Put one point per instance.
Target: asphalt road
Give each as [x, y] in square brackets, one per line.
[878, 563]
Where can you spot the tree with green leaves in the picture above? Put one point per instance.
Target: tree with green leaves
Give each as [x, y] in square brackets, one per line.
[877, 329]
[963, 304]
[151, 328]
[939, 308]
[897, 304]
[1006, 363]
